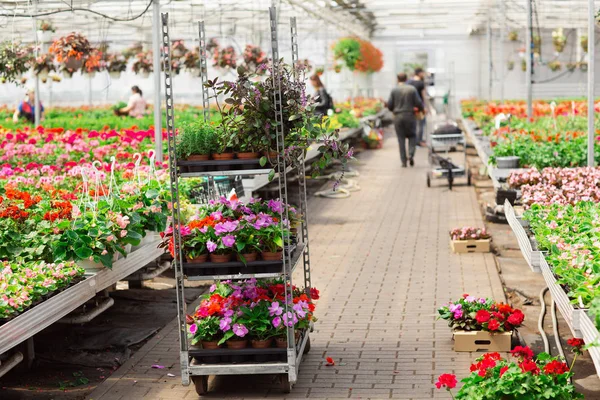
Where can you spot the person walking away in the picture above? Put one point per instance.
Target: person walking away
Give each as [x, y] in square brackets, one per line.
[136, 107]
[418, 81]
[324, 101]
[26, 108]
[404, 101]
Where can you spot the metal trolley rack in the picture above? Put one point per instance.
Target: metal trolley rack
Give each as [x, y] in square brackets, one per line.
[444, 167]
[195, 363]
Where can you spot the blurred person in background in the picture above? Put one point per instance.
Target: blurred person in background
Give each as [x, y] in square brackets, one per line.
[26, 108]
[405, 102]
[136, 107]
[418, 82]
[324, 102]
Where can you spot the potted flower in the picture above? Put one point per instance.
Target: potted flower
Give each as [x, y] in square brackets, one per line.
[525, 376]
[583, 66]
[221, 239]
[254, 58]
[247, 241]
[197, 140]
[45, 31]
[205, 331]
[469, 239]
[43, 65]
[225, 58]
[555, 66]
[93, 64]
[523, 65]
[537, 44]
[194, 246]
[14, 61]
[178, 49]
[72, 52]
[143, 64]
[115, 65]
[510, 65]
[513, 36]
[479, 323]
[271, 239]
[571, 66]
[320, 71]
[191, 62]
[583, 42]
[258, 322]
[559, 40]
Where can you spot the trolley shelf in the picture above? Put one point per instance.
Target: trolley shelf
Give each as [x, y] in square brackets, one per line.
[236, 269]
[46, 313]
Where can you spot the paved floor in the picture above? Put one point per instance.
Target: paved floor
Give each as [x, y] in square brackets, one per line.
[382, 262]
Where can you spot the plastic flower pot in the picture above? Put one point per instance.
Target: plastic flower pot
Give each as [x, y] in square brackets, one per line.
[247, 155]
[200, 259]
[281, 342]
[44, 36]
[198, 157]
[271, 256]
[91, 266]
[114, 74]
[220, 258]
[271, 154]
[90, 74]
[73, 63]
[43, 74]
[261, 344]
[508, 162]
[248, 257]
[237, 344]
[223, 156]
[210, 345]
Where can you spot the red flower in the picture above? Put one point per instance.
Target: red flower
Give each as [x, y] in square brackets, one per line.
[529, 366]
[330, 362]
[516, 318]
[577, 345]
[493, 325]
[482, 316]
[523, 352]
[503, 370]
[314, 294]
[465, 295]
[446, 380]
[556, 367]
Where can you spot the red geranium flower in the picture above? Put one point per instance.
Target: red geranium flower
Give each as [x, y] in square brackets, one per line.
[503, 370]
[493, 325]
[556, 367]
[577, 345]
[516, 318]
[524, 352]
[314, 294]
[529, 366]
[446, 380]
[482, 316]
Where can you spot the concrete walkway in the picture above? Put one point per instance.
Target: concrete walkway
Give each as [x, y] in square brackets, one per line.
[382, 262]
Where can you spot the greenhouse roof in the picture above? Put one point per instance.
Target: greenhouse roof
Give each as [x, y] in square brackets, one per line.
[128, 21]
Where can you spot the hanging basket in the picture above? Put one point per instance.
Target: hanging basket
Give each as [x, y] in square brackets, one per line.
[73, 64]
[43, 74]
[145, 74]
[114, 74]
[44, 36]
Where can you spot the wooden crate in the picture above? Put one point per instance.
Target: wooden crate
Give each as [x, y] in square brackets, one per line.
[470, 246]
[482, 341]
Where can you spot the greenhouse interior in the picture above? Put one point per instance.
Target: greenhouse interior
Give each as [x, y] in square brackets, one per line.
[344, 199]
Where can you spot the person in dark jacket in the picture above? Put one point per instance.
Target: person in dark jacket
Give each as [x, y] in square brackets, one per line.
[26, 108]
[322, 97]
[404, 101]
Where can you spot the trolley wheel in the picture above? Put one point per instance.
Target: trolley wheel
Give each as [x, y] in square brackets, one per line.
[469, 178]
[286, 386]
[428, 181]
[201, 384]
[307, 346]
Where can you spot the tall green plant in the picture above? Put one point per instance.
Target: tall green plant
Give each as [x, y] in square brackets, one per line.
[197, 137]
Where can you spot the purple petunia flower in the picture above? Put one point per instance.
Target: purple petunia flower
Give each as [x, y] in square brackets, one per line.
[228, 313]
[458, 314]
[228, 240]
[290, 319]
[211, 246]
[299, 310]
[470, 299]
[275, 309]
[217, 215]
[275, 206]
[225, 324]
[276, 322]
[240, 330]
[225, 227]
[213, 287]
[454, 307]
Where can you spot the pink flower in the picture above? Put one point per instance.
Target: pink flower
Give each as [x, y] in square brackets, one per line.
[110, 238]
[122, 221]
[123, 233]
[228, 240]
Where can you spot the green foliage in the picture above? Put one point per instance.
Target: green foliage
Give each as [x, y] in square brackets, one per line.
[198, 137]
[258, 321]
[208, 330]
[347, 50]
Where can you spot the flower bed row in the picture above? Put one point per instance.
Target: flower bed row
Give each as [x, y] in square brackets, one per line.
[23, 285]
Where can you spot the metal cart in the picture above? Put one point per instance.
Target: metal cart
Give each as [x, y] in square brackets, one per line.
[198, 364]
[444, 167]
